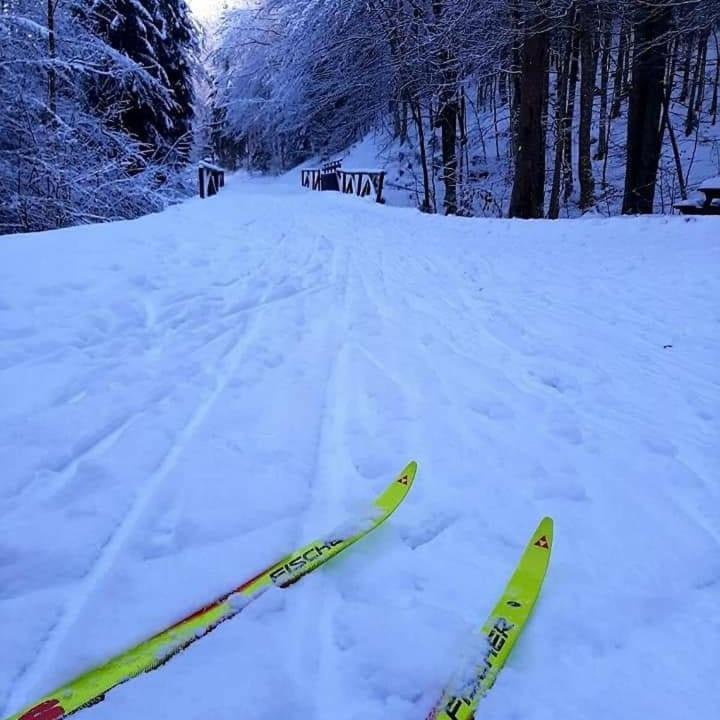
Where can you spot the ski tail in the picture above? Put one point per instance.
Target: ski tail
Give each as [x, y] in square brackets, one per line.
[91, 687]
[501, 630]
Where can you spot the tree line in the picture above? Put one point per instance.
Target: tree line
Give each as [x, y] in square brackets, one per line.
[556, 95]
[96, 109]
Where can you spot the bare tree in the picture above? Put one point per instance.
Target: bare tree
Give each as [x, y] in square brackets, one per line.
[716, 83]
[563, 130]
[606, 42]
[587, 31]
[52, 58]
[697, 84]
[620, 70]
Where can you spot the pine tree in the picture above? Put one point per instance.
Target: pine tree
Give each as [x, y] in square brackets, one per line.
[160, 37]
[177, 55]
[65, 158]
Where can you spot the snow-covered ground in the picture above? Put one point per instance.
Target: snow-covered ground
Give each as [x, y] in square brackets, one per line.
[187, 396]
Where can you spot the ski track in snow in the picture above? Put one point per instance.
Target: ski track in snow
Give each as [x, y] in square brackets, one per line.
[313, 612]
[223, 373]
[190, 395]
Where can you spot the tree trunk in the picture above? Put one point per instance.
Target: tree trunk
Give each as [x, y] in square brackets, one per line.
[696, 87]
[667, 122]
[448, 121]
[561, 135]
[570, 115]
[447, 117]
[690, 43]
[464, 151]
[528, 192]
[398, 103]
[627, 65]
[495, 120]
[426, 205]
[52, 55]
[604, 82]
[700, 95]
[515, 80]
[503, 88]
[403, 122]
[714, 103]
[587, 95]
[619, 74]
[645, 108]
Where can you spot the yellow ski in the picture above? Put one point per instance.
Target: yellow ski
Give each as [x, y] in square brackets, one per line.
[501, 630]
[90, 688]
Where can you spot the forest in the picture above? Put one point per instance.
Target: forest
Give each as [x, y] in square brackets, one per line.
[96, 109]
[519, 108]
[551, 95]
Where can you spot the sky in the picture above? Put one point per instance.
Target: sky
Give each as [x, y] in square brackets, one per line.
[205, 9]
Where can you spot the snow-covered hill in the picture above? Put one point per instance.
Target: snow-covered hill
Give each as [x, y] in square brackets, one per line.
[187, 396]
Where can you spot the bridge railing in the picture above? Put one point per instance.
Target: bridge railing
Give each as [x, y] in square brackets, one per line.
[331, 176]
[211, 179]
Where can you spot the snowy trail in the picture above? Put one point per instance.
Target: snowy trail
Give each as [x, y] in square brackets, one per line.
[187, 396]
[223, 371]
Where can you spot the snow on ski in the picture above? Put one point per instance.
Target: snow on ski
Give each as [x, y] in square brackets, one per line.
[501, 630]
[90, 688]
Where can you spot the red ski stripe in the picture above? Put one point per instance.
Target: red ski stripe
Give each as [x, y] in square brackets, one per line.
[48, 710]
[215, 603]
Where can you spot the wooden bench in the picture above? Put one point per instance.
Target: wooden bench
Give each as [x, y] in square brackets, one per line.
[710, 206]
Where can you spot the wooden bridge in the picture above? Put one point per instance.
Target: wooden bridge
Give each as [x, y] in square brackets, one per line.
[332, 177]
[211, 179]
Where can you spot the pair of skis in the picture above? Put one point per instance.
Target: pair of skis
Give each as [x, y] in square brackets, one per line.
[460, 700]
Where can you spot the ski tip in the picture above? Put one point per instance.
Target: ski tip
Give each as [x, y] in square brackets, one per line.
[543, 536]
[407, 476]
[397, 490]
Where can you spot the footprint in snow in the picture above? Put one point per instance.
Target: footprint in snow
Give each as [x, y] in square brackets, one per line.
[560, 486]
[660, 445]
[554, 381]
[491, 408]
[427, 532]
[564, 424]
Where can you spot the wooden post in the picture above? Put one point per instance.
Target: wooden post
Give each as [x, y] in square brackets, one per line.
[201, 180]
[379, 186]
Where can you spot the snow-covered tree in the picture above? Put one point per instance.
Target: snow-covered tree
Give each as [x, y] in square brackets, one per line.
[160, 37]
[64, 159]
[177, 55]
[298, 78]
[550, 82]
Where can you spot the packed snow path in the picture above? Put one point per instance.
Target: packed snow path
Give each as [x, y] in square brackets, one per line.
[187, 396]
